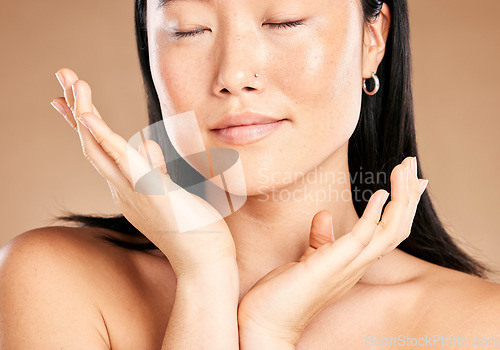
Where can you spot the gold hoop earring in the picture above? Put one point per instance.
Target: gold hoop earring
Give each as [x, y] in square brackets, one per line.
[377, 85]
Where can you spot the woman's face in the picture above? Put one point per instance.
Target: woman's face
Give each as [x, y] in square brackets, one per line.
[309, 73]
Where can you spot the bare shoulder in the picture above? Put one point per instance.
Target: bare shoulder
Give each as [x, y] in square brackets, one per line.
[43, 281]
[79, 251]
[460, 304]
[71, 282]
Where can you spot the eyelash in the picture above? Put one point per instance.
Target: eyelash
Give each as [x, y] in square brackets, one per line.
[179, 35]
[286, 24]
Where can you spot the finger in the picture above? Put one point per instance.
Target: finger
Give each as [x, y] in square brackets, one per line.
[321, 229]
[152, 152]
[388, 233]
[414, 191]
[60, 105]
[83, 104]
[365, 227]
[66, 78]
[123, 155]
[347, 248]
[98, 157]
[395, 213]
[105, 166]
[405, 191]
[321, 232]
[414, 194]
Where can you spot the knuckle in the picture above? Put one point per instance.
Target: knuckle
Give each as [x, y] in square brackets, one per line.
[113, 155]
[106, 146]
[382, 224]
[393, 240]
[116, 158]
[360, 242]
[368, 220]
[101, 142]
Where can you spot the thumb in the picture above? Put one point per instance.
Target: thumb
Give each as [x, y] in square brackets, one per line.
[321, 229]
[321, 232]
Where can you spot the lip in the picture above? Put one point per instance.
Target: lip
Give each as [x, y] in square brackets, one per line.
[240, 119]
[245, 134]
[246, 127]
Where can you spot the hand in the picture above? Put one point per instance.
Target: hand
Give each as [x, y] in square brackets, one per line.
[281, 304]
[110, 154]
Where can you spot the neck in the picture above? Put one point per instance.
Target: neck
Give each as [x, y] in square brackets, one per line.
[272, 229]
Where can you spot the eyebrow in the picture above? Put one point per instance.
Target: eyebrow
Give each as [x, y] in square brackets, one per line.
[165, 3]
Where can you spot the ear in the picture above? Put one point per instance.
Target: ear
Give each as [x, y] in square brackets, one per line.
[374, 41]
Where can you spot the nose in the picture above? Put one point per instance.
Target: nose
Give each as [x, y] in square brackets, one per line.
[239, 70]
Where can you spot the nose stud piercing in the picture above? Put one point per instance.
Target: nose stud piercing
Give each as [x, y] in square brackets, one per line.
[377, 85]
[256, 75]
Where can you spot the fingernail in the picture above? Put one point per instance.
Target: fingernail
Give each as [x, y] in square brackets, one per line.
[423, 185]
[384, 198]
[58, 108]
[60, 78]
[414, 165]
[73, 88]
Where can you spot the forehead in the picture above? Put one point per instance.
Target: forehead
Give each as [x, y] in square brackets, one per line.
[335, 8]
[158, 5]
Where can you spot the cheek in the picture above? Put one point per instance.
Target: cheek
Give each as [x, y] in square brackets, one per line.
[322, 79]
[177, 81]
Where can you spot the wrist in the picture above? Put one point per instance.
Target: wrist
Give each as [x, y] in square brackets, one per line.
[198, 264]
[205, 310]
[254, 335]
[219, 279]
[260, 340]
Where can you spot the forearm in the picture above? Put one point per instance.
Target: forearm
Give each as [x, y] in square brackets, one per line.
[204, 315]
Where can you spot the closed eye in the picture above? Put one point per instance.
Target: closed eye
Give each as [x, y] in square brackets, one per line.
[179, 35]
[285, 24]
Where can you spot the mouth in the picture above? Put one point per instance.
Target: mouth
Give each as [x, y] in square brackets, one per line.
[246, 134]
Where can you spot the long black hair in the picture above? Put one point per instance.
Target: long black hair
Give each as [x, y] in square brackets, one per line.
[384, 136]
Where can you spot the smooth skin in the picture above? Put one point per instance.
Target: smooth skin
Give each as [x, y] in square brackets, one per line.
[340, 264]
[336, 266]
[297, 288]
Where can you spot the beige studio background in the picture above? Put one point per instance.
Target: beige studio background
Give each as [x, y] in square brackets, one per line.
[456, 52]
